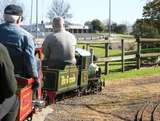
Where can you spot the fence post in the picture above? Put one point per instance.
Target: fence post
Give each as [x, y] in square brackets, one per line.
[83, 47]
[122, 56]
[87, 46]
[106, 55]
[92, 53]
[138, 55]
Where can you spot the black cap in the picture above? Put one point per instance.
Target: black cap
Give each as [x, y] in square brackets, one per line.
[13, 10]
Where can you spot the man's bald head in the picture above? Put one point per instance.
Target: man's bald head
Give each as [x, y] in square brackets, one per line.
[58, 23]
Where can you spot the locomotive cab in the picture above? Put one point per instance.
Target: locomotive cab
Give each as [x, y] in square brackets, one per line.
[82, 58]
[89, 73]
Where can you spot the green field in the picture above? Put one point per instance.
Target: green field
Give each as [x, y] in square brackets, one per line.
[133, 73]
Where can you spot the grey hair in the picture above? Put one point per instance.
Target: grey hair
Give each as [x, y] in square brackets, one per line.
[10, 18]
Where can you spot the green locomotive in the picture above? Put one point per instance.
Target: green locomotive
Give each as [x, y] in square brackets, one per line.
[72, 78]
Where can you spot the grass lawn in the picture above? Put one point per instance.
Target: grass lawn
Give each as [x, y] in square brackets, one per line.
[149, 50]
[100, 52]
[132, 73]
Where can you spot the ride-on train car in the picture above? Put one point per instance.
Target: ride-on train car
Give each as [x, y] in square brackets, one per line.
[24, 94]
[71, 78]
[25, 91]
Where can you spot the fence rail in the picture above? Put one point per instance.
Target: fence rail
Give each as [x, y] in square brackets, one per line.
[115, 58]
[137, 55]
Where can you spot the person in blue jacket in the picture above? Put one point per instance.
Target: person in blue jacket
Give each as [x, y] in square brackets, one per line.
[19, 43]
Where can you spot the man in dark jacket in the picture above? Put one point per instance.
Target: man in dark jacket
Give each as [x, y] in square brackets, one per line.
[8, 100]
[59, 47]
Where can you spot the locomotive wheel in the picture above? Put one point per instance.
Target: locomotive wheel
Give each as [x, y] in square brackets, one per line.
[79, 94]
[100, 86]
[103, 83]
[59, 97]
[46, 99]
[29, 117]
[85, 91]
[100, 89]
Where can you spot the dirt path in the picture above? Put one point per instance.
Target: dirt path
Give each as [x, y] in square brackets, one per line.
[122, 100]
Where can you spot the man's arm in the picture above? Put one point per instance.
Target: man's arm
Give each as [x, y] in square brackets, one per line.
[45, 48]
[7, 76]
[30, 58]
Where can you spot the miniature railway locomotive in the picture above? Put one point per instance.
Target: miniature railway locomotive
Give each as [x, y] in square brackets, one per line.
[72, 78]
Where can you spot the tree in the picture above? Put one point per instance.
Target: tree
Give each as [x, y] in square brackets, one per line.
[105, 23]
[59, 8]
[121, 28]
[97, 25]
[144, 28]
[152, 13]
[89, 24]
[3, 4]
[113, 27]
[149, 26]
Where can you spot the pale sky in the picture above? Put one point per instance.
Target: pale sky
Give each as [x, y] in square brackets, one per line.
[122, 11]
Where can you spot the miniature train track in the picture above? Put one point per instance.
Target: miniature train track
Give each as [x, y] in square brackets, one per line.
[147, 112]
[134, 100]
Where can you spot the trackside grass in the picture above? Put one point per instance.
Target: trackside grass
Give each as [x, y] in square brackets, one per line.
[149, 71]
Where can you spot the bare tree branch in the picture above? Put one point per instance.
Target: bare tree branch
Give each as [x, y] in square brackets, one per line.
[59, 8]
